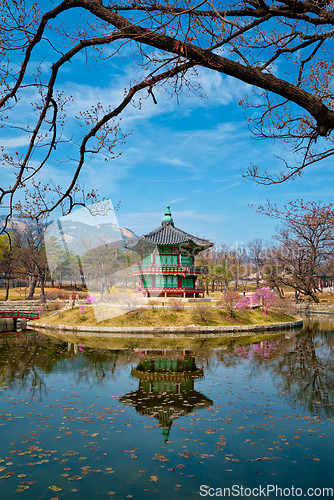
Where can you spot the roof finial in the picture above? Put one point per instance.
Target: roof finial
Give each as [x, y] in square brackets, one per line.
[168, 215]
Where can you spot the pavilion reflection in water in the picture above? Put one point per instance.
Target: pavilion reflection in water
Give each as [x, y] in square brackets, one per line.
[166, 388]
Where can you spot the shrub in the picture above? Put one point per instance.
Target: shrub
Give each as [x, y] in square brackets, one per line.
[57, 294]
[91, 299]
[54, 306]
[232, 301]
[82, 313]
[154, 304]
[201, 313]
[176, 306]
[267, 298]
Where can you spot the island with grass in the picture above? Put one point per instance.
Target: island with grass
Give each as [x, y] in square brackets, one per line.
[231, 313]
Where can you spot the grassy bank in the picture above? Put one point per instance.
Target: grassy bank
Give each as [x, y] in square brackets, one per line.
[21, 293]
[198, 315]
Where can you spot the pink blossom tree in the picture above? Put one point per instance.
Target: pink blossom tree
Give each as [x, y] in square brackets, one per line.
[267, 298]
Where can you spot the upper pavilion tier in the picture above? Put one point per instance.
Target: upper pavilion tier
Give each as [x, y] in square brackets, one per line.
[168, 235]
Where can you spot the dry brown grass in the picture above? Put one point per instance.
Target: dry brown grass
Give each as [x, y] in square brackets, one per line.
[167, 316]
[21, 293]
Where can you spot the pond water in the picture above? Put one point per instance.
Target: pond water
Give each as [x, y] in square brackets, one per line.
[78, 422]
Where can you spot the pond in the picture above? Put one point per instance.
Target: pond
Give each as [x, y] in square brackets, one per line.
[78, 422]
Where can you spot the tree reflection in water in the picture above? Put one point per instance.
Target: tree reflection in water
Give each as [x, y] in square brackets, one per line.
[304, 374]
[300, 364]
[25, 357]
[99, 366]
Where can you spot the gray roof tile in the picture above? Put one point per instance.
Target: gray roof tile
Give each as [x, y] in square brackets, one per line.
[167, 234]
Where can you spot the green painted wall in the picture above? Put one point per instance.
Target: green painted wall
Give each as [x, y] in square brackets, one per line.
[166, 260]
[166, 281]
[187, 261]
[147, 282]
[188, 282]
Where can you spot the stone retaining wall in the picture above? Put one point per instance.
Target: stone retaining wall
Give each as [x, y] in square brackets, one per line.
[166, 331]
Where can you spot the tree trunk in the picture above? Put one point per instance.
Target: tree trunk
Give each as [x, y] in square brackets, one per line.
[32, 286]
[59, 284]
[42, 297]
[83, 284]
[7, 287]
[314, 297]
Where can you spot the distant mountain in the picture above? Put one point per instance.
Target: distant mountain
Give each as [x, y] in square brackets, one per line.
[18, 222]
[78, 236]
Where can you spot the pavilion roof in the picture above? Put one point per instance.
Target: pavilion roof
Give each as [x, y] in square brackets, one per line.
[168, 234]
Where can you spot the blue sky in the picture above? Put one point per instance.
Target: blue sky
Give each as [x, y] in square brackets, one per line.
[189, 152]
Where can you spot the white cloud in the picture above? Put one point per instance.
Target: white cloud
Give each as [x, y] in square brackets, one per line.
[15, 142]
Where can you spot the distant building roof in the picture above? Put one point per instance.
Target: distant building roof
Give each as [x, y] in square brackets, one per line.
[168, 234]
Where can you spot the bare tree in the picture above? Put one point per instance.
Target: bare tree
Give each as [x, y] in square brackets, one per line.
[167, 42]
[100, 263]
[306, 244]
[256, 257]
[31, 256]
[271, 269]
[8, 260]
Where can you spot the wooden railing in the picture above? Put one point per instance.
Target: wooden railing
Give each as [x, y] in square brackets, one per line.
[168, 290]
[19, 314]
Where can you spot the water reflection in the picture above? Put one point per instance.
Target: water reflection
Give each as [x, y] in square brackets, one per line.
[300, 365]
[99, 366]
[24, 359]
[304, 373]
[166, 388]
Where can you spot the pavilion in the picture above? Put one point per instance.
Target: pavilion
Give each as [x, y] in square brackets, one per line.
[167, 261]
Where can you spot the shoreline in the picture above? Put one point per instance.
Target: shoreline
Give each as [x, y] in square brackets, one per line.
[166, 331]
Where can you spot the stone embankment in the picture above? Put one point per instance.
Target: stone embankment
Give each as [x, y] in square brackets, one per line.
[306, 309]
[168, 331]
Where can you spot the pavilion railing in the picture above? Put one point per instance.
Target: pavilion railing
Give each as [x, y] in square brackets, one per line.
[168, 290]
[152, 269]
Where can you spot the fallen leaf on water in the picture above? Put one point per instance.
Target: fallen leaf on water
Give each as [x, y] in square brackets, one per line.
[54, 488]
